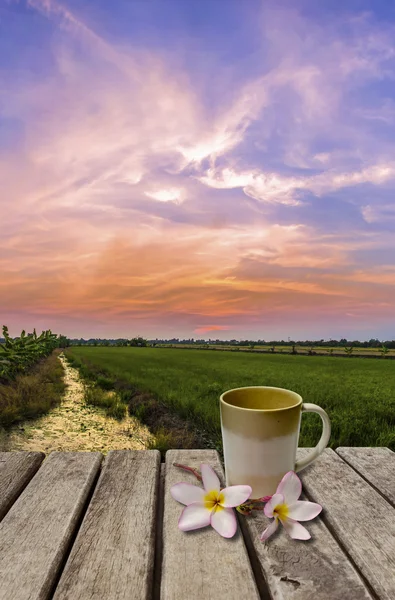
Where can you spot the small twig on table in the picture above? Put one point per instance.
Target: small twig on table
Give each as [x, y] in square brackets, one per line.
[195, 472]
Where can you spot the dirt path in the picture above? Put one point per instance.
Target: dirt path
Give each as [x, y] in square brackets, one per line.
[74, 425]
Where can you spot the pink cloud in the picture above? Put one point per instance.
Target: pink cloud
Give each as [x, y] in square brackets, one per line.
[106, 206]
[275, 188]
[208, 328]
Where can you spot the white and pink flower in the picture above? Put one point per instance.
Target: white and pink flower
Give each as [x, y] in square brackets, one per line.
[211, 505]
[285, 507]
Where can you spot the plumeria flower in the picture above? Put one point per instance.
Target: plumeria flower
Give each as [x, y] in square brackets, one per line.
[211, 505]
[284, 506]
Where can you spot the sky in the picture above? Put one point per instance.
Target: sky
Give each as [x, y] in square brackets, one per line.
[201, 168]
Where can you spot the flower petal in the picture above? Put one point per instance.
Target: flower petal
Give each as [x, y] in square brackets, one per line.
[186, 493]
[210, 479]
[269, 530]
[290, 487]
[235, 495]
[271, 505]
[224, 522]
[303, 511]
[295, 530]
[194, 516]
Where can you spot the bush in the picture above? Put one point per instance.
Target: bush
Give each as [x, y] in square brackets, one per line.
[117, 411]
[141, 412]
[31, 395]
[105, 383]
[19, 354]
[105, 399]
[165, 439]
[97, 397]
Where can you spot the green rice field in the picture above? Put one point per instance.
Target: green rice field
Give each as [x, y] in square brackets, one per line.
[358, 394]
[288, 349]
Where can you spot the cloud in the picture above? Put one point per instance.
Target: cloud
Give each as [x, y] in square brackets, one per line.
[228, 130]
[384, 112]
[104, 127]
[282, 189]
[375, 174]
[133, 196]
[208, 328]
[379, 213]
[65, 19]
[266, 187]
[167, 195]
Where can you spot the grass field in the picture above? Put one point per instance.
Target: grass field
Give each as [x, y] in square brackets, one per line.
[287, 349]
[359, 395]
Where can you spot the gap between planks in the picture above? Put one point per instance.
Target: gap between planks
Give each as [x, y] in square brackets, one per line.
[37, 530]
[379, 586]
[77, 528]
[158, 556]
[218, 569]
[352, 456]
[343, 547]
[17, 469]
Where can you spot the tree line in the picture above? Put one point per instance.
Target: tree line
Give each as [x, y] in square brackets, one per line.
[64, 342]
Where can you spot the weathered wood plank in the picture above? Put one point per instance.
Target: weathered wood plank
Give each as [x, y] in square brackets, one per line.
[360, 517]
[36, 532]
[158, 537]
[200, 564]
[377, 465]
[113, 554]
[316, 569]
[16, 470]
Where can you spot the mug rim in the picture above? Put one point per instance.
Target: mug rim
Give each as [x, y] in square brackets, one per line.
[261, 387]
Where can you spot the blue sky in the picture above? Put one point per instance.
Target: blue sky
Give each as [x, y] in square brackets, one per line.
[181, 166]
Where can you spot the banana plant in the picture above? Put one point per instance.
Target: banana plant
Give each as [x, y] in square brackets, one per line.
[383, 350]
[19, 354]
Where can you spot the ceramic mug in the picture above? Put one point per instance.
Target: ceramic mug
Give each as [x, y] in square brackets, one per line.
[260, 432]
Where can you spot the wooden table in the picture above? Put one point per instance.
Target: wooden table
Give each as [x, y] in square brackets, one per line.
[80, 527]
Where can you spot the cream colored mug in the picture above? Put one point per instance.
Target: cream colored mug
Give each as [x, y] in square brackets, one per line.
[260, 432]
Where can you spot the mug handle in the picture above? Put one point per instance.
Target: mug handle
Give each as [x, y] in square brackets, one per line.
[322, 444]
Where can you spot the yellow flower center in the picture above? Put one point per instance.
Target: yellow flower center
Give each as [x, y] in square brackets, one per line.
[213, 500]
[281, 511]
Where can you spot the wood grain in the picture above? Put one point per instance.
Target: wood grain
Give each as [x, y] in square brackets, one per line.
[377, 465]
[315, 569]
[36, 532]
[200, 564]
[113, 555]
[16, 470]
[361, 519]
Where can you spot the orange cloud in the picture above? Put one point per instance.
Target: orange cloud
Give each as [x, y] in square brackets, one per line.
[178, 272]
[209, 328]
[115, 209]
